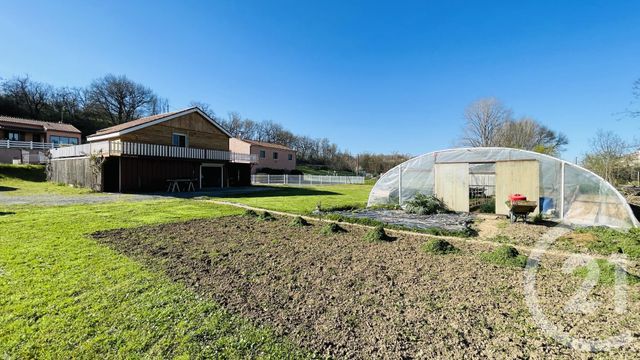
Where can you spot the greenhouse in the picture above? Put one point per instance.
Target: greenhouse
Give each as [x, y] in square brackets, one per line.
[468, 179]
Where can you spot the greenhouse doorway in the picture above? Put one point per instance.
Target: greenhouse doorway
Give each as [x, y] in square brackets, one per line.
[482, 187]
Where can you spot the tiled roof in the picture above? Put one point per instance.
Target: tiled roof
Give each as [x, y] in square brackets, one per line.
[266, 144]
[44, 125]
[136, 122]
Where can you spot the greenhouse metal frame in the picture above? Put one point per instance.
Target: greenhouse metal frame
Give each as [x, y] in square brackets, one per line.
[463, 177]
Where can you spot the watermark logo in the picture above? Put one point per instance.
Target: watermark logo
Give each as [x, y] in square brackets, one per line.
[580, 303]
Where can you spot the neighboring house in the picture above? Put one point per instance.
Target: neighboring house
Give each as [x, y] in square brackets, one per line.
[271, 156]
[143, 154]
[27, 140]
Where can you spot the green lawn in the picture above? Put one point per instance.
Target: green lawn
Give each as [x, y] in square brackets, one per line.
[303, 200]
[64, 296]
[30, 179]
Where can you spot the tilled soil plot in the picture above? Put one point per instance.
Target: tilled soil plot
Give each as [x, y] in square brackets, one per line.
[343, 297]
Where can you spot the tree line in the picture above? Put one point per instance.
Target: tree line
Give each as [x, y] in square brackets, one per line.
[112, 100]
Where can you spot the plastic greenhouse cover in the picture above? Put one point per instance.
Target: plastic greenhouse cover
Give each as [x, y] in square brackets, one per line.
[573, 196]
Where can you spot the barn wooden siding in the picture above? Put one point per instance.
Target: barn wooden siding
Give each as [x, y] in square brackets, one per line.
[201, 133]
[80, 172]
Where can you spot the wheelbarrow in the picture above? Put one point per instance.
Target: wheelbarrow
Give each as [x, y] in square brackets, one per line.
[519, 207]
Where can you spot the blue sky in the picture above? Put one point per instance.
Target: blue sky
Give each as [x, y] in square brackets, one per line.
[371, 76]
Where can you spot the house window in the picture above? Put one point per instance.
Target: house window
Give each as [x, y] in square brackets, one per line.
[263, 154]
[290, 157]
[14, 136]
[63, 140]
[36, 138]
[275, 155]
[179, 140]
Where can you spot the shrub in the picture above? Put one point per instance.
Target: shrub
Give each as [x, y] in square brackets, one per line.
[438, 247]
[426, 205]
[538, 218]
[298, 221]
[332, 228]
[505, 256]
[488, 208]
[250, 213]
[266, 216]
[377, 234]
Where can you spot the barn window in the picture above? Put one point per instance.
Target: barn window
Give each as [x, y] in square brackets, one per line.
[290, 157]
[263, 154]
[275, 155]
[179, 140]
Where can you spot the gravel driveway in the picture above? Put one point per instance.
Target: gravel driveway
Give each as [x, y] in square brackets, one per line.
[56, 200]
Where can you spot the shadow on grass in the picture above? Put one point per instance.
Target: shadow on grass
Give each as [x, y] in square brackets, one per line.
[3, 213]
[271, 192]
[7, 188]
[243, 191]
[23, 172]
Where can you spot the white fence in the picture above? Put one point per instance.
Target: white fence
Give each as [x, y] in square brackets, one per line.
[260, 179]
[37, 158]
[119, 148]
[11, 144]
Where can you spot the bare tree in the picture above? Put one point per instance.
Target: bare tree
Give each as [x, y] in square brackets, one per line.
[205, 107]
[484, 119]
[119, 98]
[158, 105]
[68, 103]
[635, 112]
[528, 134]
[32, 96]
[607, 154]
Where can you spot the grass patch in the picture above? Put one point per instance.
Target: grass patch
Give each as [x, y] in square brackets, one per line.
[65, 296]
[377, 234]
[332, 228]
[607, 273]
[604, 241]
[502, 239]
[438, 247]
[266, 216]
[505, 256]
[303, 200]
[299, 221]
[250, 213]
[20, 180]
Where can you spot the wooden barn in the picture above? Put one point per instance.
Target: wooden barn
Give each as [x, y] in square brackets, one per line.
[185, 150]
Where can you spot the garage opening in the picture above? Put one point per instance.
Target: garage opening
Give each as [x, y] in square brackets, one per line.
[211, 176]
